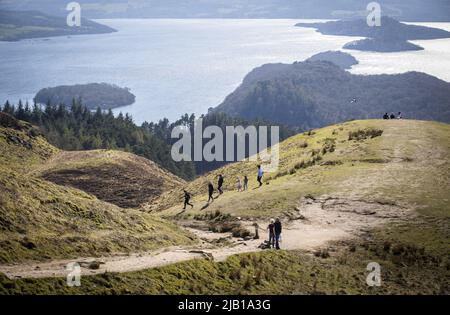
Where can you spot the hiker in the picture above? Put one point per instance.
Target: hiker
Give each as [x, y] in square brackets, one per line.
[277, 229]
[271, 229]
[392, 116]
[399, 116]
[260, 175]
[386, 116]
[245, 182]
[239, 184]
[220, 184]
[187, 197]
[210, 192]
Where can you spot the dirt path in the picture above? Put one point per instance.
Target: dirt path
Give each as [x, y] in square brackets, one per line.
[317, 222]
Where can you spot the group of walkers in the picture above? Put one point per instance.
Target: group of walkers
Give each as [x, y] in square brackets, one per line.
[241, 185]
[393, 116]
[275, 228]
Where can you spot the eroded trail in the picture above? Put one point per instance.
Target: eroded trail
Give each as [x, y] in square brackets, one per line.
[317, 222]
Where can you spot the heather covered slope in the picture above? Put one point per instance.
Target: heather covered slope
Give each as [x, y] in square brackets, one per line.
[120, 178]
[40, 220]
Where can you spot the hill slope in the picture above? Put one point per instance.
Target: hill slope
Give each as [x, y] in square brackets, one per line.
[380, 186]
[316, 94]
[326, 161]
[120, 178]
[40, 220]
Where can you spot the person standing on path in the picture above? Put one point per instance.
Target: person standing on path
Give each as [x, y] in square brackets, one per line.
[245, 183]
[271, 229]
[220, 184]
[239, 184]
[260, 175]
[210, 192]
[278, 229]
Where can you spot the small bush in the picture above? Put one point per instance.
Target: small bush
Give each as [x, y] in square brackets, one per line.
[304, 144]
[322, 253]
[329, 146]
[362, 134]
[235, 274]
[240, 231]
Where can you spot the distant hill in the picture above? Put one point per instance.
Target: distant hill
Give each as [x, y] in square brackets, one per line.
[382, 45]
[339, 58]
[17, 25]
[315, 94]
[390, 28]
[93, 95]
[391, 36]
[41, 220]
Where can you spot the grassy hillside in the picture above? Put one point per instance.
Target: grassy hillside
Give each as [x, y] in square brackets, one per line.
[398, 165]
[325, 161]
[120, 178]
[40, 220]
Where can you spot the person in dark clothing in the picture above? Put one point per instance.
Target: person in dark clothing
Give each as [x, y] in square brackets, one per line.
[271, 229]
[260, 175]
[187, 197]
[220, 184]
[392, 116]
[386, 116]
[210, 192]
[245, 183]
[278, 229]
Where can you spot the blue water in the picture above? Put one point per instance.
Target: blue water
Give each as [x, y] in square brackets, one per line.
[184, 66]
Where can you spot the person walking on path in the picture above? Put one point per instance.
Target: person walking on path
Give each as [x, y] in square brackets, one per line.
[271, 229]
[278, 229]
[260, 175]
[210, 192]
[187, 197]
[245, 183]
[220, 184]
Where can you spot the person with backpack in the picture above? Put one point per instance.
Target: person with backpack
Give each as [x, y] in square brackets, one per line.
[187, 197]
[210, 192]
[271, 229]
[260, 175]
[277, 229]
[220, 184]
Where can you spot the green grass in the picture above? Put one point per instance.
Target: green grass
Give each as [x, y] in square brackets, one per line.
[282, 272]
[40, 220]
[407, 166]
